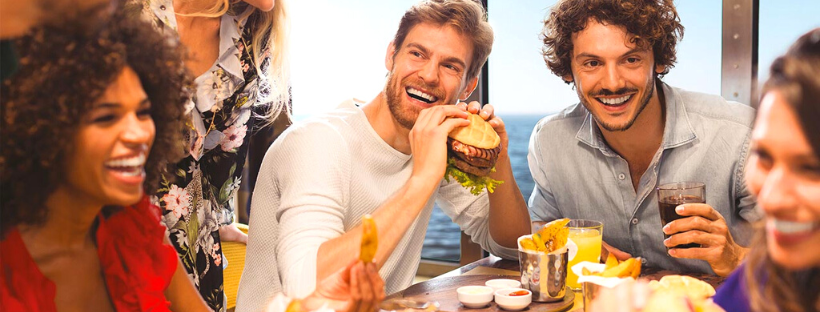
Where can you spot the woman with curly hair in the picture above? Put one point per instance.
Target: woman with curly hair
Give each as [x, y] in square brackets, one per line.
[89, 122]
[782, 269]
[237, 50]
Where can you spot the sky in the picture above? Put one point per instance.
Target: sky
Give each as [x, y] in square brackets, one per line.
[338, 49]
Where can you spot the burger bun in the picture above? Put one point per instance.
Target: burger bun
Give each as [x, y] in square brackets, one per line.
[478, 133]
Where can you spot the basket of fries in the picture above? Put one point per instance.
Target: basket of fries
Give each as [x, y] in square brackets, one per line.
[593, 276]
[543, 260]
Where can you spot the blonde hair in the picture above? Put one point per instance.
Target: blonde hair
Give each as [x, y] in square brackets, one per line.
[271, 31]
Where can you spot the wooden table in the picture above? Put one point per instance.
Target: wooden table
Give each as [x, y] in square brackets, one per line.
[442, 288]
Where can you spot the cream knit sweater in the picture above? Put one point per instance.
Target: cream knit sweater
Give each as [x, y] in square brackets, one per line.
[315, 183]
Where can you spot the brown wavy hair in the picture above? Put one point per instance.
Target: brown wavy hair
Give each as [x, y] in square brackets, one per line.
[63, 70]
[652, 23]
[796, 75]
[467, 16]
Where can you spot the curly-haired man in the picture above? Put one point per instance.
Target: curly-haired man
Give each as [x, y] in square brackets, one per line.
[602, 159]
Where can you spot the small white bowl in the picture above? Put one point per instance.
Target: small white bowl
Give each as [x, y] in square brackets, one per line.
[502, 283]
[512, 303]
[475, 296]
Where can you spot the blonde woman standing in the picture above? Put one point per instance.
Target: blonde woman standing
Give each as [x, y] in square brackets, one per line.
[237, 51]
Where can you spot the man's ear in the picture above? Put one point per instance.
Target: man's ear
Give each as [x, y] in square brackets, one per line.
[388, 59]
[567, 78]
[469, 89]
[659, 68]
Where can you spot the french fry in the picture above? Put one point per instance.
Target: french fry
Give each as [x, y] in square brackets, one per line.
[295, 305]
[611, 261]
[528, 244]
[552, 228]
[621, 270]
[540, 245]
[636, 268]
[370, 239]
[587, 272]
[554, 235]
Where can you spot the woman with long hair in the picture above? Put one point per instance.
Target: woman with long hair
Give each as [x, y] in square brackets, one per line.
[238, 52]
[782, 269]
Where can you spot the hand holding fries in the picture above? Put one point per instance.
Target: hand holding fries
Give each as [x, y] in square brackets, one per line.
[370, 239]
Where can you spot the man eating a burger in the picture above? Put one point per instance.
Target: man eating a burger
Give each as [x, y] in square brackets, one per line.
[388, 159]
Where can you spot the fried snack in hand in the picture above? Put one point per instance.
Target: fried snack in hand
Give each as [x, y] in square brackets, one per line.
[295, 305]
[370, 239]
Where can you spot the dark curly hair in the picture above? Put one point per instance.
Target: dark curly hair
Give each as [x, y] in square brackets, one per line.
[652, 23]
[63, 70]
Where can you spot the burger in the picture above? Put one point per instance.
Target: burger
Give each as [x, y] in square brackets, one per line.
[472, 152]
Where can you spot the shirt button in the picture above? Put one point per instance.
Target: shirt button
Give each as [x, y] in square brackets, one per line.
[643, 261]
[634, 220]
[621, 176]
[162, 7]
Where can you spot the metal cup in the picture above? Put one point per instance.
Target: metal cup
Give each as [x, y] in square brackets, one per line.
[543, 274]
[590, 290]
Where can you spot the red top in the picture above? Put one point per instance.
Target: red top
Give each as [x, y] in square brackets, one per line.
[136, 262]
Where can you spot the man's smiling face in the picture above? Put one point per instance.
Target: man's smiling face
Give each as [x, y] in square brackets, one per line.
[430, 68]
[614, 77]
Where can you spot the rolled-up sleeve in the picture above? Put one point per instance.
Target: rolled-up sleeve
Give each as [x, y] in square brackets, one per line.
[745, 200]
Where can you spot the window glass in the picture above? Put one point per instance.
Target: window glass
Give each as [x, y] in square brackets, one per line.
[781, 23]
[338, 49]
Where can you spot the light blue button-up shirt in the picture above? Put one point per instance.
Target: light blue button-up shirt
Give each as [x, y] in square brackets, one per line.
[578, 176]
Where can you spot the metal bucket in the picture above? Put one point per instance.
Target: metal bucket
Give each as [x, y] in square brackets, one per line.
[543, 274]
[590, 290]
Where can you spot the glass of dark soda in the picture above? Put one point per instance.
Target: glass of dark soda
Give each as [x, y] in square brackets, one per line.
[673, 194]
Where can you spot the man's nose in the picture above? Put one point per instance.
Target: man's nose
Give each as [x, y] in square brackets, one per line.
[429, 73]
[613, 80]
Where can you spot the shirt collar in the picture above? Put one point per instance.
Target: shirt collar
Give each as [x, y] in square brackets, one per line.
[164, 12]
[230, 33]
[677, 128]
[228, 66]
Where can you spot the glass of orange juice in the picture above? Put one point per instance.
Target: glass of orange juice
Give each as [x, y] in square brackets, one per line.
[584, 244]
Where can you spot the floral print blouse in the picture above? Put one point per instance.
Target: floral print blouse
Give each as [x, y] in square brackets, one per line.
[198, 198]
